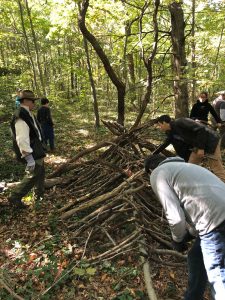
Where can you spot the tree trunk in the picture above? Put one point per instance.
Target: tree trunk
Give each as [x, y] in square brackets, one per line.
[94, 94]
[179, 60]
[36, 48]
[193, 62]
[120, 86]
[217, 53]
[28, 46]
[72, 73]
[129, 66]
[148, 62]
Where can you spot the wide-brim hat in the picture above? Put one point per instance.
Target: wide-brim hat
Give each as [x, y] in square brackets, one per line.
[26, 94]
[220, 93]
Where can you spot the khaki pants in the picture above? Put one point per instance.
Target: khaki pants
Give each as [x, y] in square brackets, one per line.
[31, 180]
[214, 163]
[222, 135]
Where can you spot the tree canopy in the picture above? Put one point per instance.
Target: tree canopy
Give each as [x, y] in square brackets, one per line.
[42, 48]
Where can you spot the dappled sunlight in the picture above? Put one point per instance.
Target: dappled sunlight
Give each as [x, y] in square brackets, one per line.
[55, 159]
[83, 132]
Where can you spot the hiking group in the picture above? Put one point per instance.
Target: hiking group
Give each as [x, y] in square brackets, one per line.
[192, 197]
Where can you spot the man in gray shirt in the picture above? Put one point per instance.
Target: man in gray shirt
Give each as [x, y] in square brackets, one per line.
[191, 194]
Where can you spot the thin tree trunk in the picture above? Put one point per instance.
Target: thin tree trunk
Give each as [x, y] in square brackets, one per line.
[35, 47]
[148, 62]
[94, 94]
[28, 46]
[218, 51]
[72, 74]
[193, 62]
[179, 60]
[129, 66]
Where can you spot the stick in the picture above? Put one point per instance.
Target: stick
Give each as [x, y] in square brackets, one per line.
[5, 286]
[103, 197]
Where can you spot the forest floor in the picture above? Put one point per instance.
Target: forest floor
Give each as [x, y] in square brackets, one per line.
[38, 258]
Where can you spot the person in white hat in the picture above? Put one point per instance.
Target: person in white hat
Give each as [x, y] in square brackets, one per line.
[28, 146]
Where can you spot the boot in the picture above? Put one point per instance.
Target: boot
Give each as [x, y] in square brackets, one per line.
[17, 204]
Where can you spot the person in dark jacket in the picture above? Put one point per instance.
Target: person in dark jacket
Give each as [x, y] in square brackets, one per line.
[205, 142]
[29, 148]
[182, 149]
[45, 119]
[201, 109]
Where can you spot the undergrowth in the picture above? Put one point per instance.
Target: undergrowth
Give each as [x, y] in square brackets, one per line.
[37, 258]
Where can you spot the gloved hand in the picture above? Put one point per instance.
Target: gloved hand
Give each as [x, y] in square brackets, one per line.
[30, 163]
[146, 164]
[179, 246]
[188, 237]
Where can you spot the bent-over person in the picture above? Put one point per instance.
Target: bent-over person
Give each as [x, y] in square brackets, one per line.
[192, 194]
[205, 142]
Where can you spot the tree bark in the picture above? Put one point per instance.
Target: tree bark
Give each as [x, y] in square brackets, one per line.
[129, 68]
[179, 60]
[120, 86]
[28, 46]
[148, 62]
[35, 47]
[94, 94]
[72, 74]
[217, 53]
[193, 62]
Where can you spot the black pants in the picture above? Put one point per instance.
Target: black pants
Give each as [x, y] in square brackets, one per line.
[197, 277]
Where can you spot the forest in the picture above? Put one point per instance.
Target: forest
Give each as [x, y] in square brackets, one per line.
[109, 68]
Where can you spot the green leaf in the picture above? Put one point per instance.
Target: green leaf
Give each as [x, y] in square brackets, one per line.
[79, 271]
[91, 271]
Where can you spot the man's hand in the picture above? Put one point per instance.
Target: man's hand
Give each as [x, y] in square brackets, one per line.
[30, 163]
[200, 152]
[146, 164]
[179, 247]
[188, 237]
[182, 246]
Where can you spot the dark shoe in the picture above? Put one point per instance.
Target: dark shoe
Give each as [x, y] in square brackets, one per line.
[52, 150]
[17, 204]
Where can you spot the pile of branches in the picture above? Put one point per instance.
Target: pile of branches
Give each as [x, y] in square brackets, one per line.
[110, 207]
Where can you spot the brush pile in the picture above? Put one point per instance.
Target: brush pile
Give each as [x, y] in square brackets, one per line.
[110, 208]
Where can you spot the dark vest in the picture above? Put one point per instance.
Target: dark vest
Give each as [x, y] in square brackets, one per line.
[35, 143]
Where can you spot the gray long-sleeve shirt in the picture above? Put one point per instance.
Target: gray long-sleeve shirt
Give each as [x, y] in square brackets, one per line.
[189, 193]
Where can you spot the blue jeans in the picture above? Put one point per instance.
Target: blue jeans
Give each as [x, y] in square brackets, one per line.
[197, 277]
[213, 250]
[48, 132]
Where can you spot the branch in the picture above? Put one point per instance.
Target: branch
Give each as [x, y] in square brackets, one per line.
[5, 286]
[91, 38]
[103, 197]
